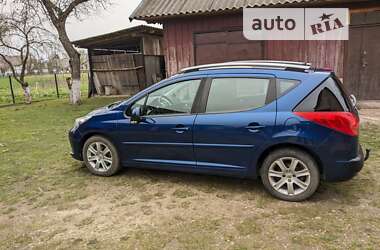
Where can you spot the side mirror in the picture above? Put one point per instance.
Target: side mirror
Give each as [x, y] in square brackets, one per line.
[353, 100]
[136, 115]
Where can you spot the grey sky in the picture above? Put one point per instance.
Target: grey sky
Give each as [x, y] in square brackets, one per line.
[112, 19]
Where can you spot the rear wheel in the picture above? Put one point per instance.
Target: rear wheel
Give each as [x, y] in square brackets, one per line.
[290, 174]
[100, 156]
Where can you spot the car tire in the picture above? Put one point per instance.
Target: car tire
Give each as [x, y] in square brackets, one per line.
[290, 174]
[100, 156]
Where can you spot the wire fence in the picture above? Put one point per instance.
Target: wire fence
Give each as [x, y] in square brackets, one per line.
[42, 87]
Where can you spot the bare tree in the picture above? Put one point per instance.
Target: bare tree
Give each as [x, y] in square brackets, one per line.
[58, 11]
[21, 36]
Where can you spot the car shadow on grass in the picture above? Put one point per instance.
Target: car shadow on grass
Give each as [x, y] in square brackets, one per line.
[201, 182]
[348, 192]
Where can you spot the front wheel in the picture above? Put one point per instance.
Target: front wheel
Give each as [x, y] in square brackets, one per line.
[100, 156]
[290, 174]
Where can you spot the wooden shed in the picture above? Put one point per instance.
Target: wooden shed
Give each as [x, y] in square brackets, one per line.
[125, 61]
[210, 31]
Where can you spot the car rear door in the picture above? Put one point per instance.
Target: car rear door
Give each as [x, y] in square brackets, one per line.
[238, 116]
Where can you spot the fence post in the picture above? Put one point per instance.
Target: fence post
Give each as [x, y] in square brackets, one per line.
[13, 94]
[56, 84]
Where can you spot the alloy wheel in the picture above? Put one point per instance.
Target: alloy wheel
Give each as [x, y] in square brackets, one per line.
[99, 156]
[289, 176]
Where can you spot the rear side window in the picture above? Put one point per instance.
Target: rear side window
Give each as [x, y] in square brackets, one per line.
[285, 85]
[326, 98]
[237, 94]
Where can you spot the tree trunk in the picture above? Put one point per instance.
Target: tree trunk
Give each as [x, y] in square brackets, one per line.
[74, 63]
[27, 94]
[76, 81]
[25, 87]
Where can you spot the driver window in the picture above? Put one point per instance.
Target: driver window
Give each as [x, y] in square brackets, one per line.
[177, 98]
[139, 103]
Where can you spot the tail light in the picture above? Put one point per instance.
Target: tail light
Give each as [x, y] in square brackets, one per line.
[344, 122]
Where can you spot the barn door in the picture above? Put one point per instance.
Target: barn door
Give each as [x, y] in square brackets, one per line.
[369, 88]
[362, 74]
[223, 46]
[353, 67]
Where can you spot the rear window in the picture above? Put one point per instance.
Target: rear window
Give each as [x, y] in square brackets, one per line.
[326, 98]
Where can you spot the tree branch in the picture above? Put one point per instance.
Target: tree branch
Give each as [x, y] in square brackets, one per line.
[50, 9]
[71, 7]
[5, 59]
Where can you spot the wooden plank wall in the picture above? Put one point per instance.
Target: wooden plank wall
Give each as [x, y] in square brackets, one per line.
[178, 37]
[121, 71]
[126, 73]
[179, 44]
[152, 45]
[153, 72]
[321, 54]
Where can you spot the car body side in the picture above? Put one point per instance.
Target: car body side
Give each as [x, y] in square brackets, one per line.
[338, 155]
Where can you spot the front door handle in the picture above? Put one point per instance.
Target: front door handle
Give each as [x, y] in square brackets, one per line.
[180, 129]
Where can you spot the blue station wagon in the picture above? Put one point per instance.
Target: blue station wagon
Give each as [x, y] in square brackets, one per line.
[282, 122]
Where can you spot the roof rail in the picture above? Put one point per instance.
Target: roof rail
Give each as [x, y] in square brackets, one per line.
[281, 65]
[274, 61]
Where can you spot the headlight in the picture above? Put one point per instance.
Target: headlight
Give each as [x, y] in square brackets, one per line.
[80, 121]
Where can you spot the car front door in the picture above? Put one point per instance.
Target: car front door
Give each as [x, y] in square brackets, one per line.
[238, 118]
[164, 136]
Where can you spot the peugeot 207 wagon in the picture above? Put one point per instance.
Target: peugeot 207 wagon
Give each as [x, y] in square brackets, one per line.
[283, 122]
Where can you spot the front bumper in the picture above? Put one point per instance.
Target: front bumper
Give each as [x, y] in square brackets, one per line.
[75, 143]
[346, 170]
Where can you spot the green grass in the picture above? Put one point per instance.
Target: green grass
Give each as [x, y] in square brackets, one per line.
[50, 201]
[34, 149]
[42, 88]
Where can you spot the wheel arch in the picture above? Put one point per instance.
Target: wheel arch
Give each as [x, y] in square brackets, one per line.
[272, 148]
[96, 133]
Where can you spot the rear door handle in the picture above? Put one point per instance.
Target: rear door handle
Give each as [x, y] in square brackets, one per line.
[254, 128]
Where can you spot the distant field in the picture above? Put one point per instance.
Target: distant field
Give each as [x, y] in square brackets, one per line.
[42, 87]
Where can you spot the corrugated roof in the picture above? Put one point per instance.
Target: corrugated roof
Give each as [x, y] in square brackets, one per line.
[122, 35]
[156, 9]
